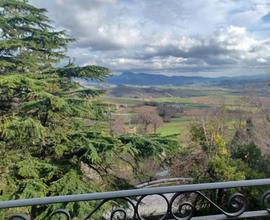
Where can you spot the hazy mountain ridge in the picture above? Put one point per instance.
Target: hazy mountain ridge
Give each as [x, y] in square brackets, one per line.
[130, 78]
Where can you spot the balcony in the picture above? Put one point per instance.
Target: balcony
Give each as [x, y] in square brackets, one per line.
[221, 200]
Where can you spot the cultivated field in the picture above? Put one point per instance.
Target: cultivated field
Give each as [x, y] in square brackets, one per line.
[195, 102]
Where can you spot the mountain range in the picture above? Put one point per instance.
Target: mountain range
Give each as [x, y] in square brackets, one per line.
[143, 79]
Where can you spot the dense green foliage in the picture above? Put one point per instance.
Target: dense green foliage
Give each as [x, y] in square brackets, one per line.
[212, 159]
[51, 137]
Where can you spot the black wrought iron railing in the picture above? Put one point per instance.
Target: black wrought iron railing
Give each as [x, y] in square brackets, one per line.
[222, 200]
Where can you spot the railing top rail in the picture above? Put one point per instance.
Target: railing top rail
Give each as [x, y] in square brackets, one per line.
[132, 192]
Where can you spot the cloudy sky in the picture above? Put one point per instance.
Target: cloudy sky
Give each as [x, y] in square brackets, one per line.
[173, 37]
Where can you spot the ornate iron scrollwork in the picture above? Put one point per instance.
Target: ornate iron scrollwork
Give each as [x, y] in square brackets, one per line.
[180, 202]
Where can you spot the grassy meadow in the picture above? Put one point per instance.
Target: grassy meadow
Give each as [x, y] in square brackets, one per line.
[196, 102]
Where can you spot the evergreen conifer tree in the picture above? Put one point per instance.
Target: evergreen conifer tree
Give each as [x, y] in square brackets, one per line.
[46, 137]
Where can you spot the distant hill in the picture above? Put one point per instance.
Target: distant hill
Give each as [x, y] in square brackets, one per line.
[129, 78]
[142, 85]
[149, 92]
[143, 79]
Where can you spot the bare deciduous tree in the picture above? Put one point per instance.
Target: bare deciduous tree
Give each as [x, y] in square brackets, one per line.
[168, 111]
[118, 125]
[148, 118]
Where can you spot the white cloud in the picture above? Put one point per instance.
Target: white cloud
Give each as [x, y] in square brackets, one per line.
[174, 37]
[261, 60]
